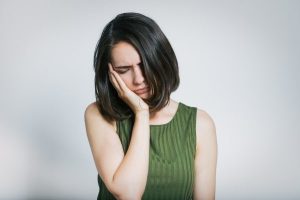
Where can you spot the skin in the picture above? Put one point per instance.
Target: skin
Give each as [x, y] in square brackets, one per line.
[121, 175]
[126, 63]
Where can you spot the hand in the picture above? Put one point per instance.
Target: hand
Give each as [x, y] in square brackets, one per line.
[135, 102]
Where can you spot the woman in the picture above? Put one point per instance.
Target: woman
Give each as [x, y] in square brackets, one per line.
[144, 144]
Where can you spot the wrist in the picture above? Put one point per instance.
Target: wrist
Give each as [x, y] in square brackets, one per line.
[142, 108]
[143, 112]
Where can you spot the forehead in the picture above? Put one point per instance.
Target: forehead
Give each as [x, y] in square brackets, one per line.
[124, 53]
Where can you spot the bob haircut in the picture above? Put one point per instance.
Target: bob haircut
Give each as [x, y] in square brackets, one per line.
[158, 64]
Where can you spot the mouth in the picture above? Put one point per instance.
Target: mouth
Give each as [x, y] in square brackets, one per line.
[142, 91]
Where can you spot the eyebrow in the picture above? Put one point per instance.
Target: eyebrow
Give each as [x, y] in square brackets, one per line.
[125, 66]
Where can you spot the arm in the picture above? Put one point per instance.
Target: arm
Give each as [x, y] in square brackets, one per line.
[125, 176]
[206, 157]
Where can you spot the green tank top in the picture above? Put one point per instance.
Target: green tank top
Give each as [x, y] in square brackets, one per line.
[171, 157]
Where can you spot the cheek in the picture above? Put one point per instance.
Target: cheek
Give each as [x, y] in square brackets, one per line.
[127, 80]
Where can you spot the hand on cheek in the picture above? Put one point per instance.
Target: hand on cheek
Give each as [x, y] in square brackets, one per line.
[130, 98]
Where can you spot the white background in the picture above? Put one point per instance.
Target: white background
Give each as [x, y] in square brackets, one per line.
[239, 61]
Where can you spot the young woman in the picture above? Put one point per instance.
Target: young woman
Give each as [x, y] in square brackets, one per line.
[144, 144]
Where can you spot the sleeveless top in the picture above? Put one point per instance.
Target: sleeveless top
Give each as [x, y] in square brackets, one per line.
[171, 157]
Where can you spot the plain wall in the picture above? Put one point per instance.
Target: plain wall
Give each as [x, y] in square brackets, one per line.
[239, 61]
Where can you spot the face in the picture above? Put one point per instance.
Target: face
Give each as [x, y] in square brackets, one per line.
[126, 62]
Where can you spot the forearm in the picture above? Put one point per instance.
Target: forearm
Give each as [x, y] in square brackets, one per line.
[131, 175]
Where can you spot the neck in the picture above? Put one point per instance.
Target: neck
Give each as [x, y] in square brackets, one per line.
[166, 112]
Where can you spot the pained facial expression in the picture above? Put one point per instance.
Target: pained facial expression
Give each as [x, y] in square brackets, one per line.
[126, 62]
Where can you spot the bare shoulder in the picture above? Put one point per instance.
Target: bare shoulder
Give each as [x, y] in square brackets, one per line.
[204, 120]
[91, 110]
[205, 127]
[92, 114]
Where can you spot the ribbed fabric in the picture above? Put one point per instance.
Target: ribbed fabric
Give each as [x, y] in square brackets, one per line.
[171, 157]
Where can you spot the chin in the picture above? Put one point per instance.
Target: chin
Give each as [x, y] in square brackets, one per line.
[144, 96]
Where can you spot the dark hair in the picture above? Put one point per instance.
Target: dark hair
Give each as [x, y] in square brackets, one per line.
[159, 63]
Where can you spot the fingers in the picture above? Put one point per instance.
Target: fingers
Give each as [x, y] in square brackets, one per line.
[112, 78]
[122, 86]
[121, 83]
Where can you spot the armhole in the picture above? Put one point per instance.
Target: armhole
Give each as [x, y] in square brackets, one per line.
[117, 127]
[194, 129]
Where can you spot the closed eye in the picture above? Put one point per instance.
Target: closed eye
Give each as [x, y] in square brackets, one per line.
[122, 70]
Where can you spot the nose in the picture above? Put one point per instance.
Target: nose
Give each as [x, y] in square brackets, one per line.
[138, 75]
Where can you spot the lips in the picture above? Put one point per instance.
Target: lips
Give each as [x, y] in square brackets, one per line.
[142, 91]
